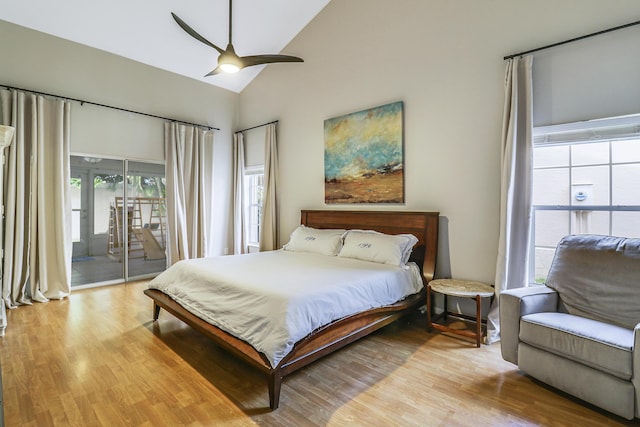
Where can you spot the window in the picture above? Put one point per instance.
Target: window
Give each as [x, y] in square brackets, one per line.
[586, 180]
[253, 184]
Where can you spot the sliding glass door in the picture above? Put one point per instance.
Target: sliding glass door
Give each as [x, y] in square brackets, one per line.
[119, 230]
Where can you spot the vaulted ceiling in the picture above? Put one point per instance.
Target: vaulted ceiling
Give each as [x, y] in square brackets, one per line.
[144, 31]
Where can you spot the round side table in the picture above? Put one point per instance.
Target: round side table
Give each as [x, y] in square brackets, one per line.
[462, 289]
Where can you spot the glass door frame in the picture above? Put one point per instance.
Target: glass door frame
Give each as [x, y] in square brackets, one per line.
[81, 248]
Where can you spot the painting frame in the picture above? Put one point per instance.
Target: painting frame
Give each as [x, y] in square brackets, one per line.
[364, 156]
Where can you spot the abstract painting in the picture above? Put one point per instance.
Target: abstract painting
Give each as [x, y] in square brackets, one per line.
[363, 156]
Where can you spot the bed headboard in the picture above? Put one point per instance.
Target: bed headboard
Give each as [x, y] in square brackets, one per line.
[423, 225]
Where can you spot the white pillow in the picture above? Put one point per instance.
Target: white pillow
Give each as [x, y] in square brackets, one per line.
[320, 241]
[369, 245]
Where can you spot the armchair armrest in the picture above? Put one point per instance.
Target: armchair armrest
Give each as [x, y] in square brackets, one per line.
[515, 303]
[635, 354]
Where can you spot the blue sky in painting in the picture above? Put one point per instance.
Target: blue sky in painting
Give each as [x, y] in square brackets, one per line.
[363, 142]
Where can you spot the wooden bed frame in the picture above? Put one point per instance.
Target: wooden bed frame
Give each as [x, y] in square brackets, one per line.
[335, 335]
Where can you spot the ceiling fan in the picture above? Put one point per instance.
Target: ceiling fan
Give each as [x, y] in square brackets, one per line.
[229, 61]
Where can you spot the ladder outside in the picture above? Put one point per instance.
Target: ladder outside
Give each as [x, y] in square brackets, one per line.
[146, 240]
[157, 220]
[154, 231]
[116, 225]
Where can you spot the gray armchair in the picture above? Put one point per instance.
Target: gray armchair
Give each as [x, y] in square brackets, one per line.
[581, 332]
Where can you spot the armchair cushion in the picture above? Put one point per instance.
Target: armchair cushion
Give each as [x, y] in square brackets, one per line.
[597, 277]
[601, 346]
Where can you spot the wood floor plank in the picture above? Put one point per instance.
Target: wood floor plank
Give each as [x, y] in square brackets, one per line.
[97, 359]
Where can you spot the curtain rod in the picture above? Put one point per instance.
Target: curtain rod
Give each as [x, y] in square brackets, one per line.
[255, 127]
[631, 24]
[81, 101]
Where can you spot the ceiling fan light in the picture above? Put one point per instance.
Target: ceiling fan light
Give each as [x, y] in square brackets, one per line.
[229, 61]
[229, 68]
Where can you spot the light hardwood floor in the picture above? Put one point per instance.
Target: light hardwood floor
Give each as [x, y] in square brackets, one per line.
[97, 359]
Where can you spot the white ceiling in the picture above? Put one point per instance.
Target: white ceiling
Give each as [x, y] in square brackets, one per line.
[143, 30]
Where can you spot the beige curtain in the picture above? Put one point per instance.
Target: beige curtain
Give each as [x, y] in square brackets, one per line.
[188, 162]
[269, 217]
[37, 239]
[512, 266]
[239, 217]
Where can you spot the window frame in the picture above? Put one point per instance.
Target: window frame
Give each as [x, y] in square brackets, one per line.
[251, 200]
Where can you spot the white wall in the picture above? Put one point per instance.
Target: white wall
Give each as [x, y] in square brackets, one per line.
[445, 61]
[39, 62]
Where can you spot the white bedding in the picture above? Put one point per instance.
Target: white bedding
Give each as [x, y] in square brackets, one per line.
[274, 299]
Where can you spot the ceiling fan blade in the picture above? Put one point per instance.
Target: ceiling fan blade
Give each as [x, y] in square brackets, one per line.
[248, 61]
[215, 71]
[193, 33]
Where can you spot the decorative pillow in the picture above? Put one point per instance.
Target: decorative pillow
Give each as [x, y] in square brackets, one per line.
[369, 245]
[320, 241]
